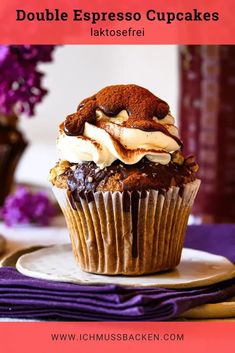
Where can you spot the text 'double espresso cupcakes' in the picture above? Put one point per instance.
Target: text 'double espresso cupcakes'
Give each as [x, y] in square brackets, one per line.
[123, 183]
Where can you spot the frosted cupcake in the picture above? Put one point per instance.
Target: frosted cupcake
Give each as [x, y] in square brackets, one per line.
[123, 184]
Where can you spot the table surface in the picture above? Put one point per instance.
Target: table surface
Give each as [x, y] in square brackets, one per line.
[25, 236]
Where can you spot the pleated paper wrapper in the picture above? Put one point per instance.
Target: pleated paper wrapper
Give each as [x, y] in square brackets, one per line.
[130, 233]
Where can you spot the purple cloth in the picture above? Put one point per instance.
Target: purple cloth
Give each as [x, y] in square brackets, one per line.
[25, 297]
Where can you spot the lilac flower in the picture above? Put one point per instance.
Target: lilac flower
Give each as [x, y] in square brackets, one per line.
[4, 51]
[25, 207]
[20, 84]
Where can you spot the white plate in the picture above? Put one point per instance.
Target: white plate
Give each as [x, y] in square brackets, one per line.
[11, 258]
[212, 311]
[57, 263]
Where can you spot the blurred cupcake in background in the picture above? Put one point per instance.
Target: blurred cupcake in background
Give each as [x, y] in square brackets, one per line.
[12, 146]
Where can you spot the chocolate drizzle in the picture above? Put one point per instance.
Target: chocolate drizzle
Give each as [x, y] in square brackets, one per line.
[126, 201]
[140, 104]
[71, 199]
[142, 176]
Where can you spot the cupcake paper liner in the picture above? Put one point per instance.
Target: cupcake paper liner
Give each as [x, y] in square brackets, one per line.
[130, 233]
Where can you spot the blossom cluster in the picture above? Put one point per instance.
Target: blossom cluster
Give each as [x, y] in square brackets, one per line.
[25, 207]
[21, 81]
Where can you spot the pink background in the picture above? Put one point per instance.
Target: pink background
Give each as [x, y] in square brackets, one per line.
[198, 337]
[204, 32]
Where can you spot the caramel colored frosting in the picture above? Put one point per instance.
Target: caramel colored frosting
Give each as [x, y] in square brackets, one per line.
[122, 122]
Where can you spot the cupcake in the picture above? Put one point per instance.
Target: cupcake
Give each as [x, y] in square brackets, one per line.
[123, 183]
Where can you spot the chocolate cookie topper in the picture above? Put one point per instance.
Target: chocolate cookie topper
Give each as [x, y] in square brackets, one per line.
[140, 104]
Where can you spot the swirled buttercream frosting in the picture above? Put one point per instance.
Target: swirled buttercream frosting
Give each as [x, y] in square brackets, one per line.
[121, 122]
